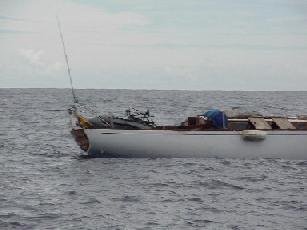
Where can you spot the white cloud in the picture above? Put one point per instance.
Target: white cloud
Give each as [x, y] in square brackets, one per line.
[35, 59]
[32, 56]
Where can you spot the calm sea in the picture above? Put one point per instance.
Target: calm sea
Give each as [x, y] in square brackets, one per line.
[44, 184]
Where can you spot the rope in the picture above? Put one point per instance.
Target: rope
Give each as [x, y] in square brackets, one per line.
[67, 63]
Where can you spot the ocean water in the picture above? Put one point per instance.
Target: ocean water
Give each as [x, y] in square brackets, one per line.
[44, 184]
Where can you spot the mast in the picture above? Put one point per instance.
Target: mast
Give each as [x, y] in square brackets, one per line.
[75, 99]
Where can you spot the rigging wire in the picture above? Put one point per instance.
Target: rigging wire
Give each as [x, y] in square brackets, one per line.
[75, 99]
[66, 60]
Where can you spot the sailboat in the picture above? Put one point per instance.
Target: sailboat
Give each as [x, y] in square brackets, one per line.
[209, 134]
[199, 136]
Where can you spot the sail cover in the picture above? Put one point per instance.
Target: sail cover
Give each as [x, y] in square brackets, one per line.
[218, 118]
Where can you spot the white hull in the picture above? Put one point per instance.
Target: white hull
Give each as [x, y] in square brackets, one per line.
[222, 144]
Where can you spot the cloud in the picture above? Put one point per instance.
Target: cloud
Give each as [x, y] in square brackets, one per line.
[35, 60]
[32, 56]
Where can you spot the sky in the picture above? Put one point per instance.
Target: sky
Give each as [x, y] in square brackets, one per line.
[155, 44]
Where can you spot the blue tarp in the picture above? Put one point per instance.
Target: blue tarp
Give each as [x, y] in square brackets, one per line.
[218, 118]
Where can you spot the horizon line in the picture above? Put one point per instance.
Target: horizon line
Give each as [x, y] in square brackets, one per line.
[146, 89]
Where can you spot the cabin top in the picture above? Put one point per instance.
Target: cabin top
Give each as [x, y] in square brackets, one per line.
[239, 124]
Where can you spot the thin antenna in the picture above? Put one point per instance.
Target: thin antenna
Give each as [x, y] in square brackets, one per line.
[67, 63]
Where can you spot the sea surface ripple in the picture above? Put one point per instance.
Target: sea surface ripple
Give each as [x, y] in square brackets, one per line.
[44, 184]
